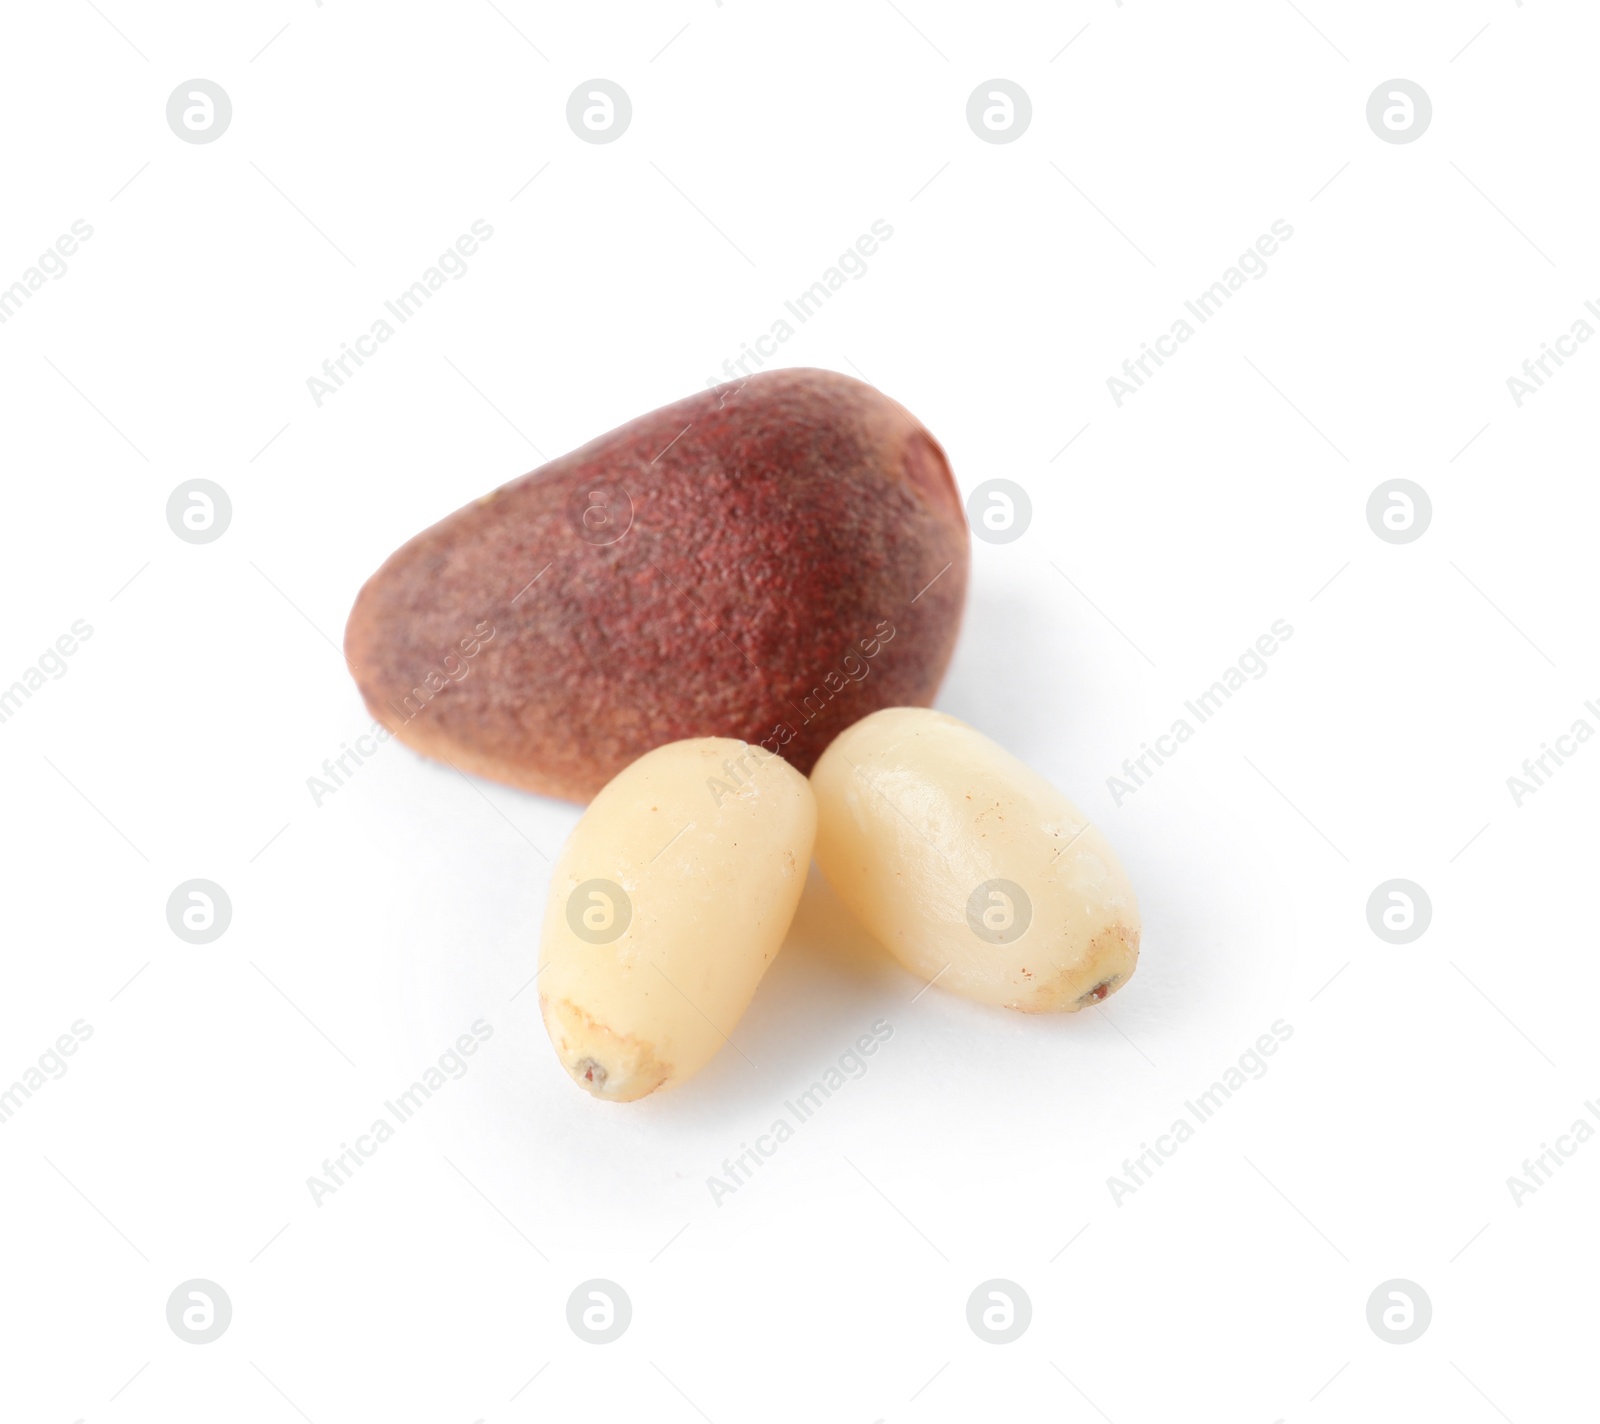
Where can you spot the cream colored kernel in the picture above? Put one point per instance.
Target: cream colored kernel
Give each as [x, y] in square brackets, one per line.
[640, 990]
[918, 815]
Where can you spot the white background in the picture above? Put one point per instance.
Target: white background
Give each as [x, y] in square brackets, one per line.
[369, 932]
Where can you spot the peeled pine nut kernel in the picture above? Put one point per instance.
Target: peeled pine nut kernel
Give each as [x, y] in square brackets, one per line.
[669, 900]
[970, 867]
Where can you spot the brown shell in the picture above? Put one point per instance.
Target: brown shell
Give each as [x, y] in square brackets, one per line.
[770, 560]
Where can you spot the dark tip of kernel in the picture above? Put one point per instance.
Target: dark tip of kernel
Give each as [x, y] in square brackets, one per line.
[1100, 990]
